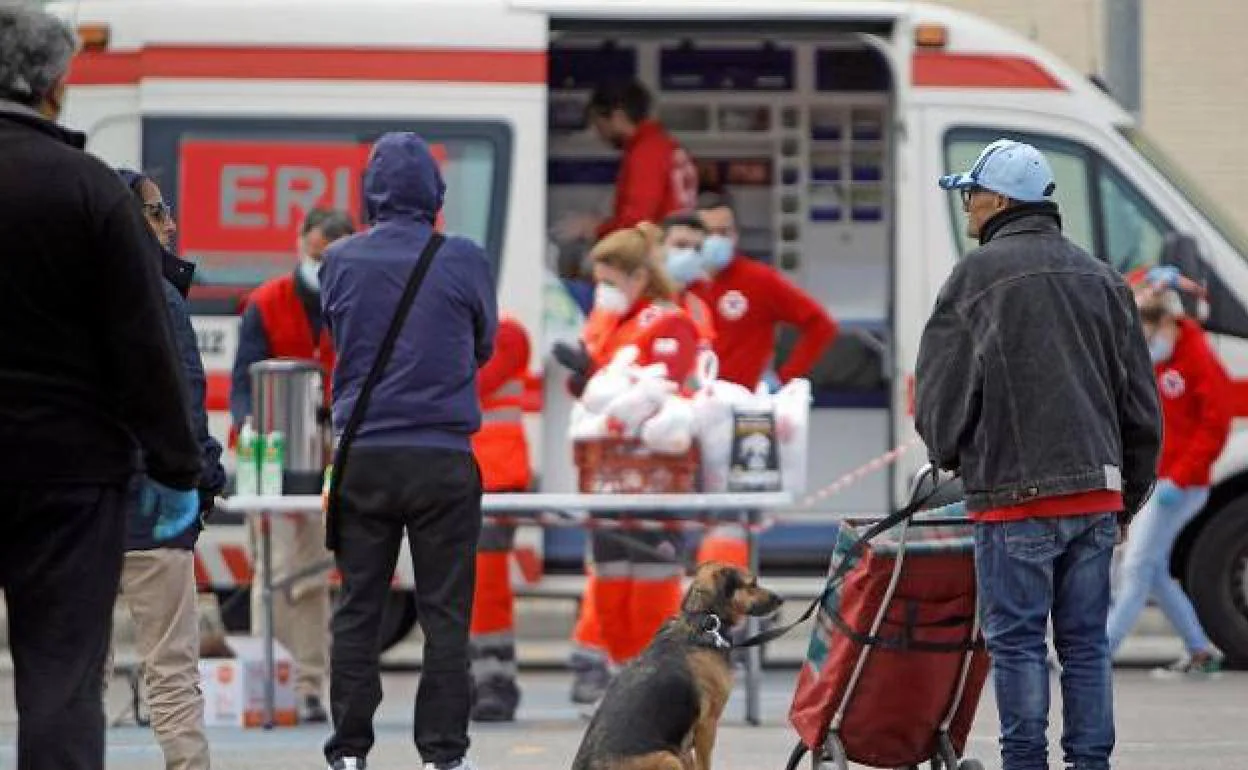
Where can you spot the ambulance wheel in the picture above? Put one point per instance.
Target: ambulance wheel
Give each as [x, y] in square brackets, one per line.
[398, 618]
[1217, 580]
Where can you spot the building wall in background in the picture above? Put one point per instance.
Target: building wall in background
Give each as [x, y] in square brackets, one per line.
[1194, 76]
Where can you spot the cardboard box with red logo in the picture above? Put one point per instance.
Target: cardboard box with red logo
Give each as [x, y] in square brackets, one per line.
[234, 686]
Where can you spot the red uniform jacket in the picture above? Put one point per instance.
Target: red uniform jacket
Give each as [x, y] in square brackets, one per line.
[748, 299]
[663, 334]
[500, 446]
[1197, 418]
[656, 178]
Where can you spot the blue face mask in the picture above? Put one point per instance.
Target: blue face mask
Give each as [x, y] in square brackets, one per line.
[717, 252]
[684, 266]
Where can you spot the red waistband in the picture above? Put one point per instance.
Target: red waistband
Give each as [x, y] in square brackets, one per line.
[1099, 501]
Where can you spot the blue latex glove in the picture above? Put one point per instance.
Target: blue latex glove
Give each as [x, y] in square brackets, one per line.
[175, 510]
[1166, 276]
[1167, 493]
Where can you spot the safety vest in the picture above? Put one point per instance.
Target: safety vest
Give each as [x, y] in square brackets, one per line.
[500, 446]
[287, 328]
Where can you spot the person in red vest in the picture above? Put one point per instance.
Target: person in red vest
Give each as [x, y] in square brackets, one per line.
[283, 320]
[749, 301]
[502, 451]
[630, 592]
[657, 177]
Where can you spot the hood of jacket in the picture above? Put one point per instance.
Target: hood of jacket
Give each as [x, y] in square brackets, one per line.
[402, 180]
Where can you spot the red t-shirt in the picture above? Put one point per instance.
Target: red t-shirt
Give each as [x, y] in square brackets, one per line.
[1196, 415]
[656, 178]
[1079, 504]
[748, 300]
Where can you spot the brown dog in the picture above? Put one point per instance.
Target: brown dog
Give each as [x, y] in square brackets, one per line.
[662, 711]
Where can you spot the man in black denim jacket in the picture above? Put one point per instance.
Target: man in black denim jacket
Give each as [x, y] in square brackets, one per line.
[1034, 382]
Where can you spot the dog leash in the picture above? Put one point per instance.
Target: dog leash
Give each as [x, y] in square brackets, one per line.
[847, 564]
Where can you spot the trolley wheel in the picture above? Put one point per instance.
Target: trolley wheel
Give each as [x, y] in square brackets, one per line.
[832, 757]
[948, 755]
[970, 764]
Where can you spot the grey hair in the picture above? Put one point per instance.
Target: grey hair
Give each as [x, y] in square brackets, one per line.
[333, 223]
[35, 51]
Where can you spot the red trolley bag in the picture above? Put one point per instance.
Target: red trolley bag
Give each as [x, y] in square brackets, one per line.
[896, 662]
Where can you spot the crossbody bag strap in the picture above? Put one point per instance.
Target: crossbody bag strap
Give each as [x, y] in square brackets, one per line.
[360, 407]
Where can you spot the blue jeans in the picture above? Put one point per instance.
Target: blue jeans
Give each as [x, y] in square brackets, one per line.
[1028, 571]
[1146, 571]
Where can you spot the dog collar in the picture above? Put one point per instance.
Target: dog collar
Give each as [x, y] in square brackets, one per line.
[710, 631]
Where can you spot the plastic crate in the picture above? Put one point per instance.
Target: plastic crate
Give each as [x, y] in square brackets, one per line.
[627, 467]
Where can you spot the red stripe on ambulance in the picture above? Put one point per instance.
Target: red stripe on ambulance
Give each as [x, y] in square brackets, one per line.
[449, 65]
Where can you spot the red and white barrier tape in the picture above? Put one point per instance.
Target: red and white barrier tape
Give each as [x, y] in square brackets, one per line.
[629, 524]
[859, 473]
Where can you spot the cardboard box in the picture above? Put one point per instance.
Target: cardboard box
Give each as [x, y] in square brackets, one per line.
[234, 687]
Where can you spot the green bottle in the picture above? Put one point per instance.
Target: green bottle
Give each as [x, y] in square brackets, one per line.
[247, 455]
[272, 462]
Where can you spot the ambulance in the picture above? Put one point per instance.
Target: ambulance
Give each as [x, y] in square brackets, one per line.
[829, 122]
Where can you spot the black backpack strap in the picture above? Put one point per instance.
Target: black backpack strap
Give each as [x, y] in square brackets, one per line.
[370, 382]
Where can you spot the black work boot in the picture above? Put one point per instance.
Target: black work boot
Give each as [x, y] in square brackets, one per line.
[496, 700]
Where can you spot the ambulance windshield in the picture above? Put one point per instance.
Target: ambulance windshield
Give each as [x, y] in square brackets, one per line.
[1221, 221]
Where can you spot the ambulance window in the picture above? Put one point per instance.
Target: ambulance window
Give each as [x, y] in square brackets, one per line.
[241, 187]
[1134, 231]
[1071, 171]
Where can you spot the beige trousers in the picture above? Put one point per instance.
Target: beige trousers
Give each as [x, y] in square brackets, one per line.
[300, 611]
[158, 587]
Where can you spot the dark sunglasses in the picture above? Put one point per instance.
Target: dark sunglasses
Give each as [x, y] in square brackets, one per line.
[159, 210]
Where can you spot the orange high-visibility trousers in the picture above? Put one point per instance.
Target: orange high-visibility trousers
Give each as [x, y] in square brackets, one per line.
[725, 543]
[587, 634]
[492, 634]
[635, 589]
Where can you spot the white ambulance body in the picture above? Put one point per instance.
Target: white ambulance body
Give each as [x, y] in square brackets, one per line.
[828, 121]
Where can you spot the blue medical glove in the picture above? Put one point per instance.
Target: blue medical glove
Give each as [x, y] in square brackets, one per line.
[175, 510]
[1167, 493]
[1164, 275]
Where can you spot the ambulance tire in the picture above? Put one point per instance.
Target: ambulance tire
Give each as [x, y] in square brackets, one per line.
[1217, 580]
[397, 621]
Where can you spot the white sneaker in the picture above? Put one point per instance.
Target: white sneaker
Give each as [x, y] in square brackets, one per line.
[347, 763]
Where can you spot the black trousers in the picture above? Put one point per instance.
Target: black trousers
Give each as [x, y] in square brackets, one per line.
[61, 553]
[435, 496]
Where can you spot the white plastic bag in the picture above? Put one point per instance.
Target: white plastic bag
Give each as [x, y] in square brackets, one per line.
[671, 430]
[612, 381]
[584, 425]
[641, 401]
[713, 406]
[792, 410]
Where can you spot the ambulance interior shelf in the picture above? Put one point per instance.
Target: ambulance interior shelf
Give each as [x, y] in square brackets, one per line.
[796, 131]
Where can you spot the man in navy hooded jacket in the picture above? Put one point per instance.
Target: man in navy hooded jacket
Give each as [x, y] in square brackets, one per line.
[411, 465]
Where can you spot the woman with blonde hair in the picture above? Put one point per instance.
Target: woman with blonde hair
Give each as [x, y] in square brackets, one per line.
[631, 591]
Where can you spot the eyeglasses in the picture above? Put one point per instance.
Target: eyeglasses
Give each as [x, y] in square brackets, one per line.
[968, 193]
[158, 210]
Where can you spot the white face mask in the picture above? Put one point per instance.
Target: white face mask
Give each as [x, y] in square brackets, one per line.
[310, 272]
[610, 299]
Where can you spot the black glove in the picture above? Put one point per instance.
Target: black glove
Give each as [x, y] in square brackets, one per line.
[573, 356]
[577, 383]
